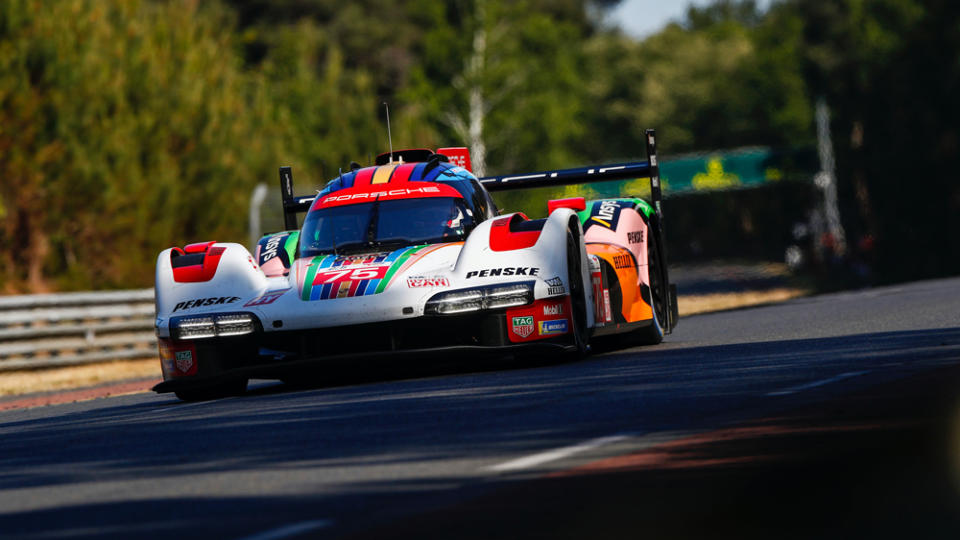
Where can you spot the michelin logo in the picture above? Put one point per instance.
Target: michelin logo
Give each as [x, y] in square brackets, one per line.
[552, 328]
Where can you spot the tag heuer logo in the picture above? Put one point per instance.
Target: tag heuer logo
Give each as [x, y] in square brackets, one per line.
[184, 361]
[522, 326]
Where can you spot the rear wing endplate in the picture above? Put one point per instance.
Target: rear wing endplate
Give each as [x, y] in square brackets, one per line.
[292, 205]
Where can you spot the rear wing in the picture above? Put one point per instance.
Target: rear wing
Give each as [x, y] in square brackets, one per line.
[583, 175]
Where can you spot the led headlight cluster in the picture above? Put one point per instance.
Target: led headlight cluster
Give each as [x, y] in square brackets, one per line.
[218, 325]
[467, 300]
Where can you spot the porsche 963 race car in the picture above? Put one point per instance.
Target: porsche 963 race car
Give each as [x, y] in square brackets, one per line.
[410, 257]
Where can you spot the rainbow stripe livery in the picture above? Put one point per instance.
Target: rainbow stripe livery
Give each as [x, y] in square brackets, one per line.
[327, 277]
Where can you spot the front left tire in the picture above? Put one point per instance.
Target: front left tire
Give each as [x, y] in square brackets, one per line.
[578, 316]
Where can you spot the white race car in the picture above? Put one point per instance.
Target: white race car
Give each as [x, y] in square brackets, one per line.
[408, 258]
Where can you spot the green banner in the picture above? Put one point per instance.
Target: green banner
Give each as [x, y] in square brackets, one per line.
[721, 170]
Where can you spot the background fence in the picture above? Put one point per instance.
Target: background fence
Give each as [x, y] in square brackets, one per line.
[48, 330]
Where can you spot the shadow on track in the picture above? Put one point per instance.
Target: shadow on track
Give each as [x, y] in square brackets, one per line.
[306, 438]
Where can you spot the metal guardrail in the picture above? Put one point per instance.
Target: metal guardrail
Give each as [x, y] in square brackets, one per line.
[51, 330]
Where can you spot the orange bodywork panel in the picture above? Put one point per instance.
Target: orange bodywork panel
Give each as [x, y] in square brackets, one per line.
[622, 261]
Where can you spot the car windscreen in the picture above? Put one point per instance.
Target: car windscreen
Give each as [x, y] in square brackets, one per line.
[389, 224]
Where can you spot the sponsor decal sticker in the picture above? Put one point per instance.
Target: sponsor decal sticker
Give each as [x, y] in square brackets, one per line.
[522, 326]
[266, 298]
[508, 271]
[270, 250]
[622, 261]
[608, 314]
[555, 286]
[177, 361]
[635, 237]
[184, 362]
[552, 328]
[414, 282]
[606, 213]
[553, 309]
[204, 302]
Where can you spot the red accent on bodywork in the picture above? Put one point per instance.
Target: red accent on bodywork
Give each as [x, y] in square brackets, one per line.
[177, 359]
[363, 176]
[576, 204]
[386, 192]
[546, 309]
[199, 247]
[403, 172]
[502, 238]
[459, 156]
[204, 271]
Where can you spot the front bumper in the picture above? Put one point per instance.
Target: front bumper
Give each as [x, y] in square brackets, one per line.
[272, 355]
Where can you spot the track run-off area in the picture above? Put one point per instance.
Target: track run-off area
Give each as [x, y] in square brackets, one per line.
[832, 416]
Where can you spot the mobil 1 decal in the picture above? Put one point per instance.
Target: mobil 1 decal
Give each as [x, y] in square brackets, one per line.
[606, 213]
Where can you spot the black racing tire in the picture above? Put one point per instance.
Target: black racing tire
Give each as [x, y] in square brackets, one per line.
[653, 333]
[227, 388]
[578, 316]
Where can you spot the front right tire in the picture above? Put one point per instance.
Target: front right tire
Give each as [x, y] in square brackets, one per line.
[653, 334]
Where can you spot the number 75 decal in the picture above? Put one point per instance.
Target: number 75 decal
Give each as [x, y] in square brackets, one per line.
[350, 274]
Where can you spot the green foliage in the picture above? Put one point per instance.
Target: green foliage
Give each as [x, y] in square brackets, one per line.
[130, 125]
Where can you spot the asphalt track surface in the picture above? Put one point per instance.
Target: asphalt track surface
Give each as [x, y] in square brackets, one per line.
[835, 416]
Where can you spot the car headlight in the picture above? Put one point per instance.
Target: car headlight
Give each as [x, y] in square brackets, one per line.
[489, 297]
[218, 325]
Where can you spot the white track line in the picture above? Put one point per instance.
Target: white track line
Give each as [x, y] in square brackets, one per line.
[800, 388]
[290, 530]
[555, 454]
